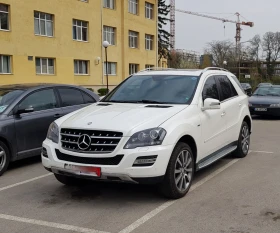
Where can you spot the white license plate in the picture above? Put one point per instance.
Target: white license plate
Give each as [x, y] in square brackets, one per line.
[261, 109]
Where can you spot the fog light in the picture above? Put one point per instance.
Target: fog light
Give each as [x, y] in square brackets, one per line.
[44, 152]
[145, 161]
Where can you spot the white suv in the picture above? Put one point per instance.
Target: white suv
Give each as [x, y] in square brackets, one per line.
[157, 126]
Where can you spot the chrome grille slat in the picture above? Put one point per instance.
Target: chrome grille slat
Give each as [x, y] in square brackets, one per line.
[106, 137]
[93, 144]
[69, 142]
[70, 135]
[105, 142]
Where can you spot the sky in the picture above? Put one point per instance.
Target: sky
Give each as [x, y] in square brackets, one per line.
[193, 32]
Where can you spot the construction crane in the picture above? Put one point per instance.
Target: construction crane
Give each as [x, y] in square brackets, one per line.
[238, 23]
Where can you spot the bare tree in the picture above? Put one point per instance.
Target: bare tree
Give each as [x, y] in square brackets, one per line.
[271, 48]
[222, 51]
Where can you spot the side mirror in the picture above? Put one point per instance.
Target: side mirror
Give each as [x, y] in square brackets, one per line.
[211, 104]
[27, 110]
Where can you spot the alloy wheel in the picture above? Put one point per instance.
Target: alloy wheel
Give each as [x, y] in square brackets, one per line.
[245, 143]
[183, 170]
[2, 158]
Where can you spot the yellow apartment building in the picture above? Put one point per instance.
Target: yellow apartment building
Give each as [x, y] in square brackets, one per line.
[60, 41]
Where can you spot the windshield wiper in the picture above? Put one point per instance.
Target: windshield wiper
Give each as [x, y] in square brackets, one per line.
[259, 95]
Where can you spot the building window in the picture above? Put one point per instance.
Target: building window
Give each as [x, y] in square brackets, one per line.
[44, 65]
[133, 68]
[149, 42]
[109, 34]
[5, 64]
[133, 39]
[80, 30]
[81, 67]
[112, 68]
[4, 17]
[149, 66]
[43, 24]
[149, 10]
[133, 6]
[109, 4]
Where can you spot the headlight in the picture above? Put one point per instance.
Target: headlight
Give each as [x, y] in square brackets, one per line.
[275, 105]
[53, 132]
[149, 137]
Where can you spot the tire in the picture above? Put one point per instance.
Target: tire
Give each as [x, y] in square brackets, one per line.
[243, 143]
[173, 186]
[69, 180]
[5, 158]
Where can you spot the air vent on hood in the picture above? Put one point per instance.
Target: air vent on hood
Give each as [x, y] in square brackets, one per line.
[157, 106]
[104, 104]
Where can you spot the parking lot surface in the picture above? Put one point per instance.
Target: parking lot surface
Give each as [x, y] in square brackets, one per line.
[231, 196]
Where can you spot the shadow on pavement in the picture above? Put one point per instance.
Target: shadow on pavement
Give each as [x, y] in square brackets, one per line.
[265, 118]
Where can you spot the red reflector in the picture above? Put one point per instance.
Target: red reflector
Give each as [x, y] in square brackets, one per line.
[96, 170]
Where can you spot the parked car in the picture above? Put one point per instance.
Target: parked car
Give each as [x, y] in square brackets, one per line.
[247, 88]
[26, 111]
[265, 101]
[155, 127]
[264, 84]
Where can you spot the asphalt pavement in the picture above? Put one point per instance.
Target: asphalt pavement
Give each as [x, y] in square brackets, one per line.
[231, 196]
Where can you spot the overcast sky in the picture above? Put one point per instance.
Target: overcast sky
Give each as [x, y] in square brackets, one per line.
[193, 32]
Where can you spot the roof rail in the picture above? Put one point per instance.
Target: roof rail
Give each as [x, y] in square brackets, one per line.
[214, 68]
[155, 69]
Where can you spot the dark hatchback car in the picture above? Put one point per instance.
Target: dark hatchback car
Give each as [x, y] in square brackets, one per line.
[265, 101]
[247, 88]
[26, 111]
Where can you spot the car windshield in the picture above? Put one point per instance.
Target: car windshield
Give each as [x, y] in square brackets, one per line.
[267, 91]
[158, 89]
[7, 96]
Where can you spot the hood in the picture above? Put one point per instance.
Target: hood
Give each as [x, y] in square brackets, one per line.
[264, 100]
[125, 118]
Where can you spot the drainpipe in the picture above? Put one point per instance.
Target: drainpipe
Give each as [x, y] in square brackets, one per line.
[101, 44]
[156, 65]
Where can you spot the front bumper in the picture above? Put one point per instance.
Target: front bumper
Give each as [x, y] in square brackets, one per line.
[125, 170]
[270, 111]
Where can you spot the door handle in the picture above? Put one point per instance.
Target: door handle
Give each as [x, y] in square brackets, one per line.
[223, 114]
[57, 115]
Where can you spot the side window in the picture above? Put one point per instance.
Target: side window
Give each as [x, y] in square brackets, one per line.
[227, 89]
[88, 99]
[40, 100]
[238, 83]
[70, 97]
[210, 89]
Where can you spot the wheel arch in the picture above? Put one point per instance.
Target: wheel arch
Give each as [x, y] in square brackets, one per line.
[247, 119]
[191, 142]
[7, 143]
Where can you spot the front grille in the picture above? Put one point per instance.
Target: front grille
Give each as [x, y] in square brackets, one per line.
[89, 141]
[83, 160]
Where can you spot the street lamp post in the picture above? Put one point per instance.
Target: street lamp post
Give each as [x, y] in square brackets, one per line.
[106, 45]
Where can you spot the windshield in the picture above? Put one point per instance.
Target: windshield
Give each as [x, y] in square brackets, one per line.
[7, 97]
[161, 89]
[267, 91]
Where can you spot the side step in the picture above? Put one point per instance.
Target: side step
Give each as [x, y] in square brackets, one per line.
[216, 157]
